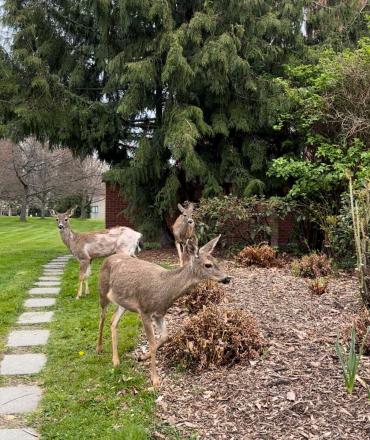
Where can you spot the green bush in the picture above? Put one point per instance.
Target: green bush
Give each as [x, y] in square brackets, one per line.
[240, 221]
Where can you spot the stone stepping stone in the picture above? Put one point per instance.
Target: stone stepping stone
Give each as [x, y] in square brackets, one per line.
[52, 272]
[47, 283]
[39, 302]
[27, 338]
[54, 266]
[20, 399]
[18, 434]
[29, 363]
[44, 291]
[35, 317]
[50, 278]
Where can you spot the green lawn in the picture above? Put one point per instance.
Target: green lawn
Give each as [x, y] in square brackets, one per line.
[24, 248]
[84, 397]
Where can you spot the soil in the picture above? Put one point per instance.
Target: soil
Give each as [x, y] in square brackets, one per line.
[296, 390]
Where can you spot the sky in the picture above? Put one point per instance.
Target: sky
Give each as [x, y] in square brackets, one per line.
[4, 31]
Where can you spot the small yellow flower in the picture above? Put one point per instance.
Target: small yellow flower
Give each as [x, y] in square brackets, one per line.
[81, 353]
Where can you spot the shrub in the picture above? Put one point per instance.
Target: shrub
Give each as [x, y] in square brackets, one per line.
[318, 286]
[312, 266]
[203, 295]
[216, 336]
[262, 255]
[240, 221]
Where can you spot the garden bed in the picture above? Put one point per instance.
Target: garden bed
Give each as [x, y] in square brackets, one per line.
[296, 390]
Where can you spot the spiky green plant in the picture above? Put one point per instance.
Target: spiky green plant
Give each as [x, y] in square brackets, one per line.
[350, 362]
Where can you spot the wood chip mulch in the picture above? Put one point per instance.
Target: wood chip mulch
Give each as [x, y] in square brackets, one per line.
[294, 392]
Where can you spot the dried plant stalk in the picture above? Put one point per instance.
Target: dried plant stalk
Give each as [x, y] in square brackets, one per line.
[360, 209]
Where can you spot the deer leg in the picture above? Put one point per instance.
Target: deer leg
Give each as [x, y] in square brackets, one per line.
[163, 336]
[99, 344]
[113, 328]
[148, 326]
[87, 274]
[179, 251]
[84, 268]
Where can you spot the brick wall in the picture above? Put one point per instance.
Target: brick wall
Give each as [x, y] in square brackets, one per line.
[114, 206]
[281, 230]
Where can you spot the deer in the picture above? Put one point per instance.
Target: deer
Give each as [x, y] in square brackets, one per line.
[87, 246]
[183, 229]
[150, 290]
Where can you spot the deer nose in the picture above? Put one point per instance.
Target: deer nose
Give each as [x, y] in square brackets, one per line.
[226, 280]
[60, 226]
[190, 221]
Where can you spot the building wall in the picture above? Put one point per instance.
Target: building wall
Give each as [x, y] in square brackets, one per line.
[114, 206]
[98, 209]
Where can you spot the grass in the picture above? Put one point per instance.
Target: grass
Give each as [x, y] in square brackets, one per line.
[24, 248]
[84, 397]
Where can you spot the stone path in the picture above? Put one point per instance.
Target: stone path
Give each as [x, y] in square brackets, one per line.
[17, 364]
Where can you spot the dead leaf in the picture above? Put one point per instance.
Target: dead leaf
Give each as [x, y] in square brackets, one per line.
[290, 395]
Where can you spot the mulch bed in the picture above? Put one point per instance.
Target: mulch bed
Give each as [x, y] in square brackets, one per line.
[296, 391]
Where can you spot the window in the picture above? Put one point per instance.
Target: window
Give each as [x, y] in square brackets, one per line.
[95, 209]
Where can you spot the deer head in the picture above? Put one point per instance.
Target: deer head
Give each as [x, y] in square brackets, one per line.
[204, 265]
[187, 213]
[63, 219]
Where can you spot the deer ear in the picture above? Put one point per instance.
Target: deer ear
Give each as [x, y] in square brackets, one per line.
[191, 247]
[71, 211]
[210, 246]
[191, 207]
[52, 212]
[181, 208]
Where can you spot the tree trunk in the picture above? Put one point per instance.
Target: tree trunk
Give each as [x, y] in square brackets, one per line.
[43, 210]
[83, 210]
[23, 215]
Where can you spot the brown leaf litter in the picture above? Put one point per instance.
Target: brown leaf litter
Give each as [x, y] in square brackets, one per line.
[296, 390]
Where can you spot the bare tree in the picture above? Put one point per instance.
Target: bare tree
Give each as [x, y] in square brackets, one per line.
[34, 174]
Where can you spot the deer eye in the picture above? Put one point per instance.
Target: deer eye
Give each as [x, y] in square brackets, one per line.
[208, 265]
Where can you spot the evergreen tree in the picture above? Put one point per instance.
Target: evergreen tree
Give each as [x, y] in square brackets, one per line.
[179, 96]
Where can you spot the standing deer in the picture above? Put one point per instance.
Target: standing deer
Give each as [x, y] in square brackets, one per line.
[149, 289]
[183, 229]
[86, 246]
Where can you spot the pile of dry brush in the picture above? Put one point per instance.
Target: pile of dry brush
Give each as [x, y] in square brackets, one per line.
[262, 255]
[203, 295]
[216, 336]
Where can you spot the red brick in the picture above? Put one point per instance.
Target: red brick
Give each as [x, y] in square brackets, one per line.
[114, 207]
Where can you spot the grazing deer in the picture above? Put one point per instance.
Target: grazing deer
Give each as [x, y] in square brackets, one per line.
[149, 289]
[183, 229]
[86, 246]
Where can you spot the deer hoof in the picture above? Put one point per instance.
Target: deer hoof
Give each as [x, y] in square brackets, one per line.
[116, 363]
[99, 349]
[156, 382]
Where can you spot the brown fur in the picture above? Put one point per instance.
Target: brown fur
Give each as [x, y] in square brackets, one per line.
[183, 229]
[149, 289]
[86, 246]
